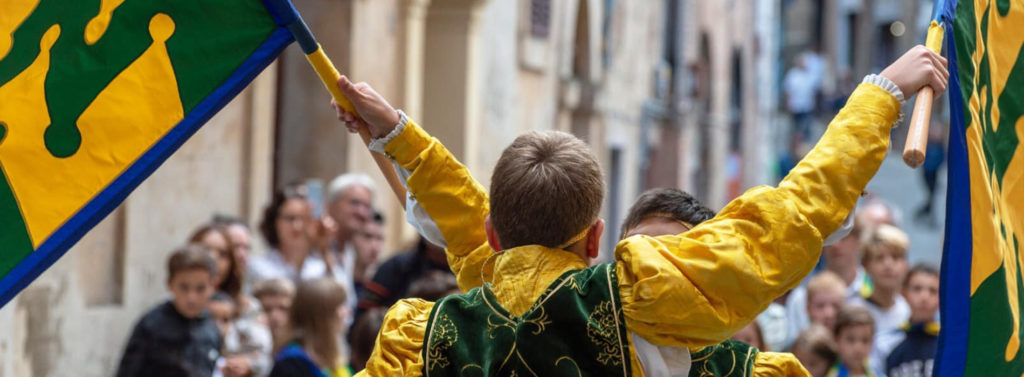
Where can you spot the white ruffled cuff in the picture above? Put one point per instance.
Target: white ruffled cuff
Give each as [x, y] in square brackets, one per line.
[377, 144]
[889, 86]
[884, 83]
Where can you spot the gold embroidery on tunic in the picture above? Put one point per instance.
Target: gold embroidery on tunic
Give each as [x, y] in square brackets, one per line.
[444, 335]
[578, 372]
[601, 331]
[540, 320]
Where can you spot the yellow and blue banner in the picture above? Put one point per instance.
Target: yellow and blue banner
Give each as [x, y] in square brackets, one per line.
[982, 291]
[96, 94]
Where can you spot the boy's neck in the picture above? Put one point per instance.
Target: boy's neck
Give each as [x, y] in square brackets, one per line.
[921, 321]
[883, 297]
[856, 369]
[178, 312]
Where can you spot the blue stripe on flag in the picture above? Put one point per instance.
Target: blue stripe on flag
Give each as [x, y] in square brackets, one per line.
[955, 290]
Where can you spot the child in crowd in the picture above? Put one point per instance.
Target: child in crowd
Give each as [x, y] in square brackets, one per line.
[752, 335]
[915, 355]
[364, 335]
[178, 337]
[434, 286]
[222, 310]
[884, 254]
[825, 295]
[664, 211]
[816, 350]
[542, 302]
[315, 323]
[275, 296]
[854, 335]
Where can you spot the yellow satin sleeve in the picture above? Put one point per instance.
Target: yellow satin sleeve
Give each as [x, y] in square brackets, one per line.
[781, 364]
[700, 287]
[400, 342]
[450, 195]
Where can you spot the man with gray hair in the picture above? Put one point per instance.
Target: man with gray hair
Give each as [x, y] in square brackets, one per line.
[350, 205]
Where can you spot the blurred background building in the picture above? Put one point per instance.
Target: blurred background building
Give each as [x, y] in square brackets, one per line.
[673, 93]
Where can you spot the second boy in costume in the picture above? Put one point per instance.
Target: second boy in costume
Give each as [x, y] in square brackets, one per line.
[666, 211]
[544, 308]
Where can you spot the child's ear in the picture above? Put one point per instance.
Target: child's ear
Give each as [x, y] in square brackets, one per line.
[594, 238]
[492, 235]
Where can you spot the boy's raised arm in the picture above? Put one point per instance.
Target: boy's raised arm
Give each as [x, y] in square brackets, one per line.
[700, 287]
[456, 202]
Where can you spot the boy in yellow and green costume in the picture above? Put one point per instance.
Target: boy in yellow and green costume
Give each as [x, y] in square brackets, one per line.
[687, 290]
[664, 211]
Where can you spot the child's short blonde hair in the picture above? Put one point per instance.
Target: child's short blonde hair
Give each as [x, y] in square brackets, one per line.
[545, 190]
[273, 287]
[881, 238]
[853, 315]
[825, 281]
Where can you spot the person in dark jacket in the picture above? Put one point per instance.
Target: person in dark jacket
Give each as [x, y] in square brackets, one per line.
[178, 337]
[394, 276]
[915, 355]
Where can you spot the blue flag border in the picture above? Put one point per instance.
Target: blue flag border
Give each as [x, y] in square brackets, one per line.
[955, 287]
[107, 200]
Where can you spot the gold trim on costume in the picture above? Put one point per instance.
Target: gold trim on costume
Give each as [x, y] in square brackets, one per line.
[574, 239]
[449, 335]
[615, 314]
[578, 372]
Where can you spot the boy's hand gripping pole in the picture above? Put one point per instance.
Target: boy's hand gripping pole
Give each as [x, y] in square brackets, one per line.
[329, 75]
[917, 135]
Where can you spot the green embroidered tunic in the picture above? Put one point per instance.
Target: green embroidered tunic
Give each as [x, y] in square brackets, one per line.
[576, 328]
[730, 358]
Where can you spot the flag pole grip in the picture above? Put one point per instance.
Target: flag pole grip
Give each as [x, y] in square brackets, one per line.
[289, 17]
[329, 76]
[917, 135]
[920, 119]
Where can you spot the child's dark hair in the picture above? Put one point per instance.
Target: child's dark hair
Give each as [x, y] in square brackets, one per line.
[364, 335]
[853, 315]
[433, 286]
[920, 268]
[268, 225]
[191, 257]
[668, 202]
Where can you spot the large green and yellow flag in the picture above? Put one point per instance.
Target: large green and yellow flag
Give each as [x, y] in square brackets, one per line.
[96, 94]
[982, 287]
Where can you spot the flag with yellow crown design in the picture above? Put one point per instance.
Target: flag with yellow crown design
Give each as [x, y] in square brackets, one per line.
[96, 94]
[982, 291]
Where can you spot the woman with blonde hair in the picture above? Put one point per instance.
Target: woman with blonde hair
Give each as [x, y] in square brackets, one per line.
[315, 324]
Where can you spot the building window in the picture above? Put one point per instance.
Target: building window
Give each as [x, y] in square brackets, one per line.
[540, 18]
